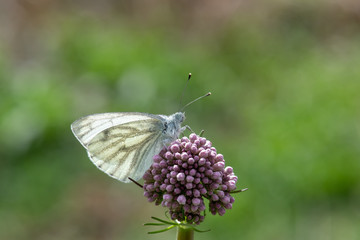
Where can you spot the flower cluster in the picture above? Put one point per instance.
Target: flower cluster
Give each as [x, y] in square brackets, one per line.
[185, 173]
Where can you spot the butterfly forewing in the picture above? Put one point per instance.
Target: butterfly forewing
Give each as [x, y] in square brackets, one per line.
[121, 144]
[87, 127]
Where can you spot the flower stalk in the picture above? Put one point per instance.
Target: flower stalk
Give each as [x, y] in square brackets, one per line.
[184, 233]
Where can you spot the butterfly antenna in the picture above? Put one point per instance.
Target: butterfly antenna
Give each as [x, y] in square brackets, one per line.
[135, 182]
[208, 94]
[183, 92]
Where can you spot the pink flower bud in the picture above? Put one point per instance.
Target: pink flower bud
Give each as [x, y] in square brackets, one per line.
[167, 197]
[181, 199]
[219, 166]
[214, 197]
[173, 174]
[189, 178]
[194, 208]
[168, 156]
[221, 211]
[190, 161]
[219, 158]
[175, 148]
[196, 201]
[157, 158]
[225, 200]
[221, 194]
[193, 137]
[180, 176]
[196, 193]
[228, 206]
[184, 156]
[184, 139]
[216, 175]
[231, 185]
[193, 149]
[188, 146]
[169, 188]
[203, 154]
[177, 191]
[229, 170]
[163, 187]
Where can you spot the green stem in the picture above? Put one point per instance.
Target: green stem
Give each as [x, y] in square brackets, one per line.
[184, 233]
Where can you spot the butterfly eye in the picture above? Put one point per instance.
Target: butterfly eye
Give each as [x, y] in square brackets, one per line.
[180, 117]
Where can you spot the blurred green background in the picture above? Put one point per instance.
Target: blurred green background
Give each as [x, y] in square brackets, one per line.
[285, 109]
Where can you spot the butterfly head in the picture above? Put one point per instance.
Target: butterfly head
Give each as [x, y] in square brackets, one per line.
[179, 117]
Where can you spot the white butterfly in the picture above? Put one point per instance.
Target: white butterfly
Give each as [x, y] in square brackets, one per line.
[123, 144]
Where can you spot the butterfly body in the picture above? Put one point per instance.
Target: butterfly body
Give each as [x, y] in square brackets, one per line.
[123, 144]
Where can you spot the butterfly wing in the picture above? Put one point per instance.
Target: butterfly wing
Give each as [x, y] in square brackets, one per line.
[121, 144]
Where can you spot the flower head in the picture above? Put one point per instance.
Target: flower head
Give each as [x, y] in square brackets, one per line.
[185, 173]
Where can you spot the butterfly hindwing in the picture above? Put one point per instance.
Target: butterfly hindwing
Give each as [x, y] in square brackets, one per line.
[126, 150]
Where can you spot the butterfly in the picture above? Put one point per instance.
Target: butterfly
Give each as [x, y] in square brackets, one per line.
[123, 144]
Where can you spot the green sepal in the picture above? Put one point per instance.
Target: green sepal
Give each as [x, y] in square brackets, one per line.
[238, 191]
[162, 230]
[154, 224]
[163, 221]
[172, 225]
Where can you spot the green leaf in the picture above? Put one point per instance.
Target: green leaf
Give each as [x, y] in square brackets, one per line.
[201, 231]
[241, 190]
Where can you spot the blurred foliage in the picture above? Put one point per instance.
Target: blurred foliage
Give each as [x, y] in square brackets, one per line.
[284, 111]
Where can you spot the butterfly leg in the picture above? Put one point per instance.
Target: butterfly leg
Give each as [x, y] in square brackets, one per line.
[201, 133]
[188, 128]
